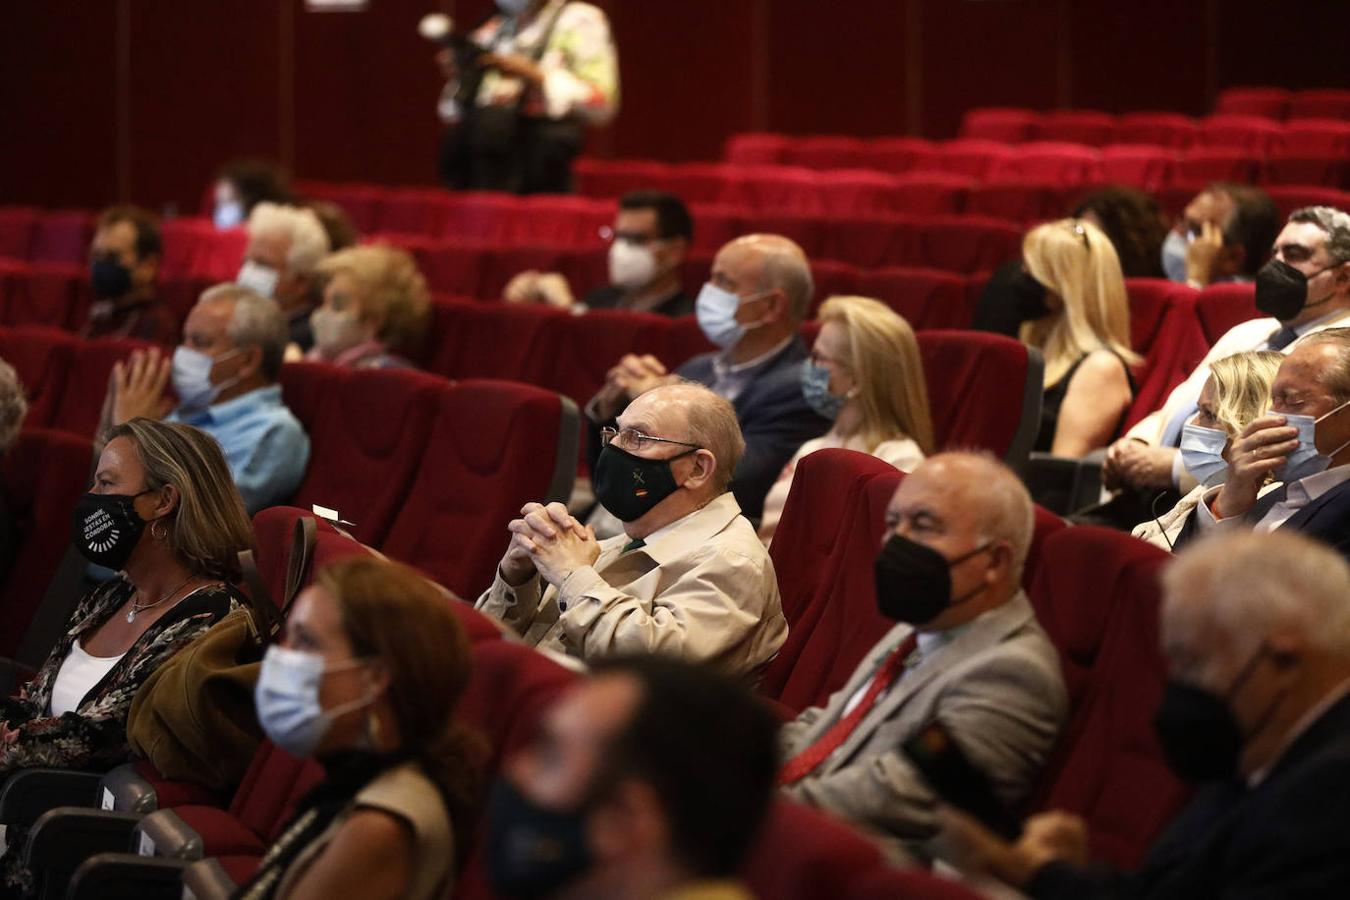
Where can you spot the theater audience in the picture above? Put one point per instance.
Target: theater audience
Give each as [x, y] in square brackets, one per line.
[13, 407]
[1236, 392]
[649, 782]
[865, 374]
[243, 184]
[1223, 235]
[1256, 630]
[1078, 317]
[687, 578]
[123, 265]
[649, 241]
[285, 245]
[225, 377]
[367, 681]
[966, 652]
[1303, 442]
[336, 224]
[759, 294]
[1303, 289]
[375, 302]
[163, 513]
[1133, 223]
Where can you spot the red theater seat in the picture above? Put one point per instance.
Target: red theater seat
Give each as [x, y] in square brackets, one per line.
[1008, 125]
[824, 508]
[790, 189]
[1014, 199]
[899, 154]
[481, 340]
[17, 224]
[501, 264]
[1077, 126]
[613, 178]
[45, 474]
[1298, 167]
[1050, 163]
[1160, 128]
[1251, 134]
[369, 432]
[62, 236]
[494, 447]
[1098, 599]
[42, 359]
[1315, 136]
[975, 158]
[1166, 332]
[1267, 102]
[856, 192]
[46, 295]
[1330, 103]
[361, 202]
[273, 533]
[412, 211]
[927, 298]
[90, 367]
[1216, 164]
[831, 279]
[984, 391]
[1221, 306]
[1144, 166]
[930, 193]
[756, 149]
[1291, 197]
[965, 244]
[589, 345]
[804, 854]
[823, 152]
[449, 267]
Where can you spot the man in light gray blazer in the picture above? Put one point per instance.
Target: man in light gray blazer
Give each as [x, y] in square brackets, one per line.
[967, 653]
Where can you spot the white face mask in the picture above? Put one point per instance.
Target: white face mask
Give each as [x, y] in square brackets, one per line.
[258, 278]
[630, 266]
[287, 698]
[1305, 460]
[1202, 453]
[191, 377]
[716, 309]
[229, 214]
[335, 331]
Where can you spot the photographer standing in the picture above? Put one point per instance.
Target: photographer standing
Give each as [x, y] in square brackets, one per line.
[520, 90]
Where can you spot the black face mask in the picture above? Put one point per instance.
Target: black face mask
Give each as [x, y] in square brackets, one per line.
[629, 486]
[1282, 290]
[1199, 735]
[533, 851]
[1010, 298]
[1028, 296]
[107, 528]
[914, 581]
[109, 278]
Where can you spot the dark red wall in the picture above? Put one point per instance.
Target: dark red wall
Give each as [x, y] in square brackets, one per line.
[144, 99]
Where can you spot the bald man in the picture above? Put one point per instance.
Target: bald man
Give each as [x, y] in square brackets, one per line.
[1256, 630]
[688, 578]
[966, 652]
[751, 309]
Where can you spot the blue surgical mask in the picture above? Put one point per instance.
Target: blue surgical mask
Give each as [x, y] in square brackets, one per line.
[192, 377]
[1174, 256]
[716, 311]
[1202, 454]
[229, 214]
[1305, 460]
[816, 390]
[287, 698]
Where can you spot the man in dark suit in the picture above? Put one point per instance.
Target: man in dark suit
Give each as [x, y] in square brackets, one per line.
[751, 308]
[1305, 443]
[1256, 628]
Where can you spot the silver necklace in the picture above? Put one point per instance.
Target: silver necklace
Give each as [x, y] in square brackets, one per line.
[131, 613]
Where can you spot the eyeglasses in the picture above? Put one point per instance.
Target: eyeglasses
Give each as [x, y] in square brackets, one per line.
[632, 440]
[636, 238]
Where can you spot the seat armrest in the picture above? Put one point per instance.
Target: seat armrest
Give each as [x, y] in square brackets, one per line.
[126, 876]
[29, 793]
[164, 833]
[65, 836]
[127, 790]
[207, 879]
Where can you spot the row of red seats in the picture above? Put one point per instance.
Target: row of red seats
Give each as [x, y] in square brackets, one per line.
[1232, 127]
[1094, 590]
[1316, 156]
[1279, 103]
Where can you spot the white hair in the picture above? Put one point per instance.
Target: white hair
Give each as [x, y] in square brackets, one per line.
[308, 240]
[712, 424]
[1249, 586]
[256, 321]
[13, 406]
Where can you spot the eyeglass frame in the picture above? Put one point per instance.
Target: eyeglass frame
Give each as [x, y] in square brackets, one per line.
[610, 434]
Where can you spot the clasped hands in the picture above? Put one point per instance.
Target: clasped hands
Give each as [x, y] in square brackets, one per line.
[549, 541]
[1046, 837]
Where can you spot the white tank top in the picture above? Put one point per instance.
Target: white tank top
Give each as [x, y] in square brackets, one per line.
[77, 675]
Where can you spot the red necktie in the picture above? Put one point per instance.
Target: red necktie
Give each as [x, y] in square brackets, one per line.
[805, 762]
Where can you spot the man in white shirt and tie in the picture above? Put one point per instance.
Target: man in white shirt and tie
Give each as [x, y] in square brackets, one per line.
[1310, 253]
[1304, 443]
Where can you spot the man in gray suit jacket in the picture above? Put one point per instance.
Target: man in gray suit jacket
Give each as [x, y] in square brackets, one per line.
[968, 653]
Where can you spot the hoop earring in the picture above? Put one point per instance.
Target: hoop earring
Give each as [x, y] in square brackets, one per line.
[163, 531]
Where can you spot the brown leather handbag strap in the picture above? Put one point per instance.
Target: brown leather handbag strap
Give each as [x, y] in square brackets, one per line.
[264, 618]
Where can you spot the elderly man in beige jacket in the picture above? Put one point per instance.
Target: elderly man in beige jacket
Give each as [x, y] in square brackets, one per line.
[687, 578]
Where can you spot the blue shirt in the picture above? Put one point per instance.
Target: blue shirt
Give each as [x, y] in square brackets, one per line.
[265, 445]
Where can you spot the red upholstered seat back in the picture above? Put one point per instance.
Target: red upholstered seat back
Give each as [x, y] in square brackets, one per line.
[825, 507]
[1268, 102]
[1217, 163]
[756, 148]
[17, 224]
[927, 298]
[995, 123]
[493, 448]
[480, 340]
[976, 385]
[1320, 103]
[62, 236]
[1221, 306]
[587, 346]
[273, 529]
[804, 854]
[368, 431]
[827, 152]
[1078, 126]
[1160, 128]
[274, 783]
[91, 366]
[1167, 333]
[1252, 134]
[1050, 162]
[1145, 166]
[48, 295]
[42, 359]
[44, 474]
[1098, 599]
[968, 244]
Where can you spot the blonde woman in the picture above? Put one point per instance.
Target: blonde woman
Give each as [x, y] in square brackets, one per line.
[1236, 392]
[864, 373]
[1073, 279]
[375, 304]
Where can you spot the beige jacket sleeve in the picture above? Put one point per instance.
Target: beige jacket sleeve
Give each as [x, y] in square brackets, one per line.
[516, 606]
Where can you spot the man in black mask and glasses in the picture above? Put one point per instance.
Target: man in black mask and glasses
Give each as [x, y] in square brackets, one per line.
[1256, 629]
[967, 653]
[688, 577]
